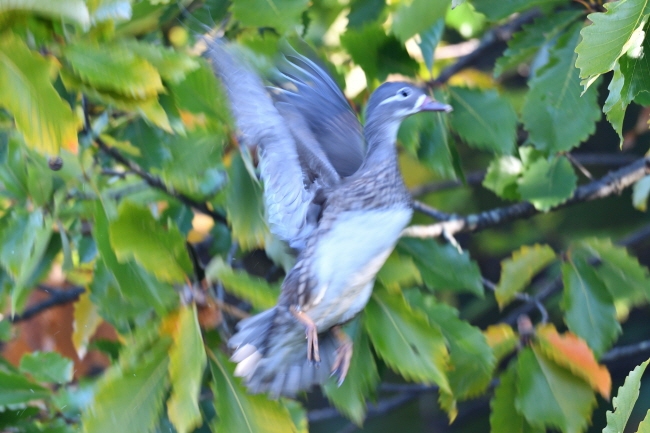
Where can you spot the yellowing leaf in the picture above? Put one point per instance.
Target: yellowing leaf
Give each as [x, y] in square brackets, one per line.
[186, 363]
[519, 270]
[44, 119]
[86, 321]
[501, 338]
[569, 351]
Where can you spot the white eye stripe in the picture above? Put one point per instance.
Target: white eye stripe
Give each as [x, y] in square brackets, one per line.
[420, 101]
[391, 99]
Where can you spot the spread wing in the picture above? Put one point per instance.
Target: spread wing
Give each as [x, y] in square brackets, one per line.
[293, 165]
[313, 94]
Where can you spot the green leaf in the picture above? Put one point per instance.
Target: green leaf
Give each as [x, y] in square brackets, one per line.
[442, 266]
[483, 119]
[240, 411]
[39, 181]
[136, 234]
[502, 175]
[623, 275]
[187, 361]
[411, 18]
[528, 41]
[134, 285]
[429, 40]
[398, 271]
[45, 120]
[640, 193]
[172, 65]
[498, 9]
[364, 11]
[244, 206]
[361, 381]
[588, 306]
[518, 271]
[598, 51]
[279, 14]
[469, 352]
[644, 427]
[550, 396]
[556, 114]
[255, 290]
[68, 10]
[631, 78]
[547, 184]
[504, 417]
[47, 367]
[405, 340]
[624, 401]
[117, 10]
[16, 389]
[130, 400]
[114, 68]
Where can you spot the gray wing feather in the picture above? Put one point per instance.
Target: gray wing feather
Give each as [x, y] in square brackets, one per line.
[289, 186]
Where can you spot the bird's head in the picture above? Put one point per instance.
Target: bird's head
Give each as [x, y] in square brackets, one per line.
[397, 100]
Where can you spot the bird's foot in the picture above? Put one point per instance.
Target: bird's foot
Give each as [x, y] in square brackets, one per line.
[341, 363]
[311, 334]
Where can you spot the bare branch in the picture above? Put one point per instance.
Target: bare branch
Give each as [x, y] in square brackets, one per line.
[612, 183]
[625, 351]
[57, 297]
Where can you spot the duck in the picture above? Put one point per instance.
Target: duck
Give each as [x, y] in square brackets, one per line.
[334, 193]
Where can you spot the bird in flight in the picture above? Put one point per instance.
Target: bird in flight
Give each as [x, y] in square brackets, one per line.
[334, 193]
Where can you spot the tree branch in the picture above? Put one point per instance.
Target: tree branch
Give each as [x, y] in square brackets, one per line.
[150, 179]
[612, 183]
[57, 297]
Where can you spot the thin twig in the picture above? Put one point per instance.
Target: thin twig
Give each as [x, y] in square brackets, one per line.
[57, 297]
[432, 212]
[626, 351]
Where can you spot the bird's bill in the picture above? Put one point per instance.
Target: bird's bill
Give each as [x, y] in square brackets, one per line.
[429, 104]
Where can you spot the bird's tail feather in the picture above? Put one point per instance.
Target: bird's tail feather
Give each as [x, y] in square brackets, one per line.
[273, 359]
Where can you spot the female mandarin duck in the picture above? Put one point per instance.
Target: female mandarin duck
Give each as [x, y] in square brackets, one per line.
[334, 193]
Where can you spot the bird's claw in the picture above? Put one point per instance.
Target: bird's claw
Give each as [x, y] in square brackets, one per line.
[341, 363]
[311, 334]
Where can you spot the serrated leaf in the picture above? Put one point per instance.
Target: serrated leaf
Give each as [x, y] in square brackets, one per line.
[187, 361]
[589, 308]
[16, 389]
[172, 65]
[244, 206]
[502, 339]
[361, 381]
[46, 122]
[598, 51]
[86, 321]
[471, 356]
[504, 417]
[502, 175]
[528, 41]
[429, 40]
[255, 290]
[640, 192]
[569, 351]
[47, 367]
[498, 9]
[550, 396]
[113, 68]
[644, 426]
[279, 14]
[240, 411]
[405, 340]
[631, 78]
[623, 275]
[134, 285]
[130, 400]
[69, 10]
[411, 18]
[624, 401]
[518, 271]
[556, 114]
[483, 119]
[547, 184]
[442, 266]
[135, 234]
[398, 271]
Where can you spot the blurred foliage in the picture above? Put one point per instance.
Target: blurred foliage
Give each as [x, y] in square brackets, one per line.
[121, 175]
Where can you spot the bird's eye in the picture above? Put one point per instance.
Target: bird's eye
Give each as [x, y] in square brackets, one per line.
[404, 92]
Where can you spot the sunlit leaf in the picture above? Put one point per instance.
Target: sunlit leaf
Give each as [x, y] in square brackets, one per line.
[640, 193]
[502, 339]
[240, 411]
[74, 11]
[47, 367]
[26, 91]
[624, 401]
[405, 340]
[16, 389]
[172, 65]
[518, 271]
[550, 396]
[548, 183]
[86, 321]
[572, 353]
[411, 18]
[502, 176]
[187, 361]
[136, 234]
[280, 14]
